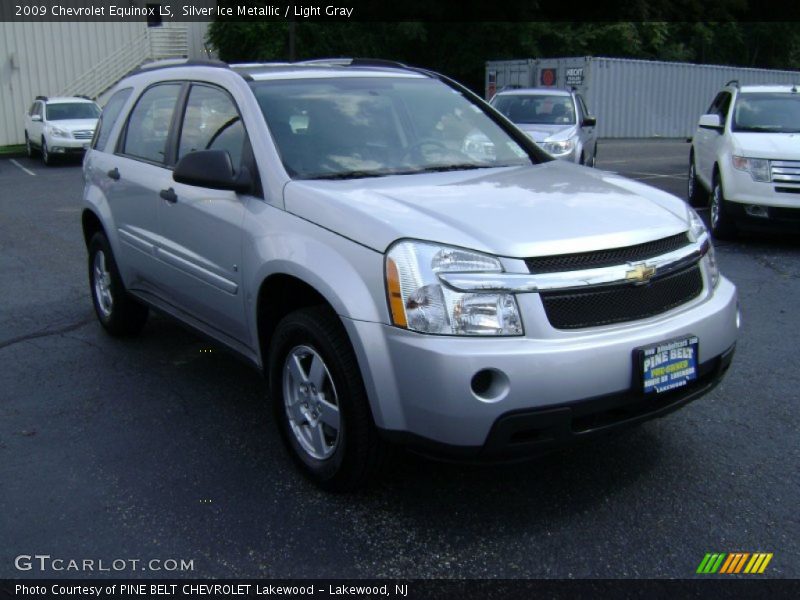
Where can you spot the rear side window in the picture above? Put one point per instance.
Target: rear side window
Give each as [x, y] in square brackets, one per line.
[109, 116]
[211, 122]
[149, 123]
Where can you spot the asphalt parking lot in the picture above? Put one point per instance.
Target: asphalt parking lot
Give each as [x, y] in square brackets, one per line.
[162, 446]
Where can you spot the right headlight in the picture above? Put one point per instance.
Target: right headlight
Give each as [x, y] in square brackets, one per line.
[418, 300]
[757, 167]
[58, 132]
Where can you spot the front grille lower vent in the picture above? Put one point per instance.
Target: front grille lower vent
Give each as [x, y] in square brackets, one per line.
[620, 303]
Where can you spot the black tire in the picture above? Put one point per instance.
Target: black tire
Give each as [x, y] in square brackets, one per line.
[29, 146]
[695, 194]
[47, 158]
[582, 160]
[357, 450]
[722, 225]
[123, 316]
[593, 163]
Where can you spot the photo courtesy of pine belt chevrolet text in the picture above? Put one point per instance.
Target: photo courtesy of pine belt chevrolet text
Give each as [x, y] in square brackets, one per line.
[405, 264]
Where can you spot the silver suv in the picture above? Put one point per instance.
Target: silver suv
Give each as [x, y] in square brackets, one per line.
[335, 224]
[557, 120]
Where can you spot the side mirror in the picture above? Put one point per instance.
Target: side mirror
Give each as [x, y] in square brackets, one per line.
[589, 121]
[212, 169]
[36, 117]
[710, 122]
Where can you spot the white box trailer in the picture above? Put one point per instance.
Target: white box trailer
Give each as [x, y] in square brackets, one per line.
[632, 98]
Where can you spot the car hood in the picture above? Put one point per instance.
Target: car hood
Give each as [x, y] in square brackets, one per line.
[768, 145]
[545, 209]
[74, 124]
[540, 132]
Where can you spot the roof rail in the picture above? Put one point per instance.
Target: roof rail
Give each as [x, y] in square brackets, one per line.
[169, 63]
[42, 98]
[733, 82]
[355, 62]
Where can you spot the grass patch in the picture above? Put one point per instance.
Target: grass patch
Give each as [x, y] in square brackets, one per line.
[12, 150]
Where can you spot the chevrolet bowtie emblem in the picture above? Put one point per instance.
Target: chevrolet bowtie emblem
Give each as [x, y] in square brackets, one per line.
[640, 273]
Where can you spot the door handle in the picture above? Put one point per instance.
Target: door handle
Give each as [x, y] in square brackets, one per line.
[169, 195]
[114, 174]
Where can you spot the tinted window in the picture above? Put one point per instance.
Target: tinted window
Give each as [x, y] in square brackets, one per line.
[211, 122]
[63, 111]
[537, 108]
[365, 126]
[108, 117]
[149, 123]
[767, 112]
[32, 109]
[582, 103]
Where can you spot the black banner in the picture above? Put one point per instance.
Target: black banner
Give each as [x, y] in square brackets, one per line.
[650, 589]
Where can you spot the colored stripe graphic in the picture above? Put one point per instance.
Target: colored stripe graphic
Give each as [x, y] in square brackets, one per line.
[734, 562]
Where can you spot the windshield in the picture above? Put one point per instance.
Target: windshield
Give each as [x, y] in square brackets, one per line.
[543, 109]
[372, 126]
[72, 110]
[772, 113]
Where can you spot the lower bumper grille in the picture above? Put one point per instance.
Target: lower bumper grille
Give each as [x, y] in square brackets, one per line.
[618, 304]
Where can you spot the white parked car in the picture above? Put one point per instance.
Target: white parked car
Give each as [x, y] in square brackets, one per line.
[60, 126]
[745, 158]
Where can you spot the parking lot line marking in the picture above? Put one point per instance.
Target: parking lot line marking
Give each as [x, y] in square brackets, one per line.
[19, 166]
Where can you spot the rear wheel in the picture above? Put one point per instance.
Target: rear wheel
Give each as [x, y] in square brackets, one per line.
[116, 310]
[722, 225]
[319, 400]
[694, 192]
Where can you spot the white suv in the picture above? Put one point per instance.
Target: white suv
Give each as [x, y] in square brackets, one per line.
[746, 153]
[60, 126]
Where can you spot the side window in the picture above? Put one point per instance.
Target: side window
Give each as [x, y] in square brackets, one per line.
[37, 108]
[149, 123]
[32, 109]
[108, 117]
[582, 102]
[724, 105]
[211, 122]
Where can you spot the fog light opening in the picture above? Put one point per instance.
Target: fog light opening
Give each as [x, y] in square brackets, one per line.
[490, 385]
[754, 210]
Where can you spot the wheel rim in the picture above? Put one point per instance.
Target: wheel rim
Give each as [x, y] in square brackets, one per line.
[691, 180]
[45, 153]
[312, 405]
[28, 145]
[716, 206]
[102, 284]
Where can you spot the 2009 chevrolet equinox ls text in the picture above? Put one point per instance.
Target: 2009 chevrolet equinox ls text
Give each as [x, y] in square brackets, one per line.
[404, 264]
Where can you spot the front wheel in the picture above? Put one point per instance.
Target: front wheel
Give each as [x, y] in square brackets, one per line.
[723, 226]
[319, 401]
[47, 158]
[117, 311]
[28, 146]
[694, 191]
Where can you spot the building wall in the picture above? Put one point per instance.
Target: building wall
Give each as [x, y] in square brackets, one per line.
[43, 58]
[638, 98]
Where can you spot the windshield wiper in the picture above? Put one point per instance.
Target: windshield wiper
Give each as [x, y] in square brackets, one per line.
[352, 175]
[443, 168]
[761, 128]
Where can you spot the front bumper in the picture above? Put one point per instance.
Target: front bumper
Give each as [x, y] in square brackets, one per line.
[421, 386]
[67, 145]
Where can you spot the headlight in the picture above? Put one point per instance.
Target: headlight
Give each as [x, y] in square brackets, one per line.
[696, 229]
[419, 301]
[757, 167]
[56, 132]
[559, 148]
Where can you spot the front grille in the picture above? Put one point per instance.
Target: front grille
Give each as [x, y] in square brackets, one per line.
[620, 303]
[606, 258]
[83, 135]
[785, 171]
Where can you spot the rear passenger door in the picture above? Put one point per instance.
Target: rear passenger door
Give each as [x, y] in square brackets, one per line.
[133, 176]
[202, 228]
[708, 140]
